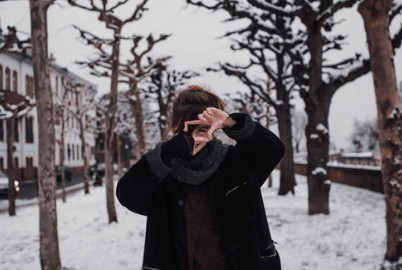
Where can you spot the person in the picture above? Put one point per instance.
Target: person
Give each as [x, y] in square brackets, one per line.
[201, 197]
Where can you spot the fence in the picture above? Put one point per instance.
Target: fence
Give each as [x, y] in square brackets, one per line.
[368, 177]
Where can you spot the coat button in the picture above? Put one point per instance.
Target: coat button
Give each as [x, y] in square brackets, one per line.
[181, 203]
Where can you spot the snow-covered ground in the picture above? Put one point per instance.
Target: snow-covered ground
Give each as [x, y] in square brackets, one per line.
[351, 237]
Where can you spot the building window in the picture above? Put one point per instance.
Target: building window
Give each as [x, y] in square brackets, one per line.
[8, 79]
[15, 81]
[1, 77]
[1, 131]
[57, 86]
[16, 165]
[29, 161]
[16, 133]
[72, 152]
[29, 137]
[1, 163]
[68, 151]
[78, 152]
[82, 151]
[29, 86]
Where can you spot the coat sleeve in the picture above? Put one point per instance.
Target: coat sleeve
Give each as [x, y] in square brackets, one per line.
[258, 150]
[136, 188]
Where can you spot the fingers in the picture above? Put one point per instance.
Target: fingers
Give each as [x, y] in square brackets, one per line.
[198, 140]
[194, 122]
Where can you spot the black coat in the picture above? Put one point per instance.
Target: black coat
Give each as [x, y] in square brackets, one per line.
[148, 189]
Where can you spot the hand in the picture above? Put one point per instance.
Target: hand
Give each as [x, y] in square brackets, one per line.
[212, 117]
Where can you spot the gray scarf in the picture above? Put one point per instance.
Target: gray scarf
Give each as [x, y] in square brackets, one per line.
[197, 169]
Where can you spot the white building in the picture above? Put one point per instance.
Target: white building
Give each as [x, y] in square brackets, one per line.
[16, 75]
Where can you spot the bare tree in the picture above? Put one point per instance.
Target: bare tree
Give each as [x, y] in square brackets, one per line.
[60, 106]
[376, 16]
[112, 62]
[135, 71]
[261, 41]
[162, 85]
[49, 243]
[316, 80]
[79, 107]
[14, 107]
[11, 43]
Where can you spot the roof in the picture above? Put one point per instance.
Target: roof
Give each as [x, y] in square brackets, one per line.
[55, 67]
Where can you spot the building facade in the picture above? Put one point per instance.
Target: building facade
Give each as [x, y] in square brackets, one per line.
[16, 75]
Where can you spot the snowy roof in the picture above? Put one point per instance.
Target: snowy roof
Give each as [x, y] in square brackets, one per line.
[56, 67]
[358, 155]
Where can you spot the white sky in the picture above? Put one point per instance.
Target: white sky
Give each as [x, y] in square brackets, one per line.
[194, 45]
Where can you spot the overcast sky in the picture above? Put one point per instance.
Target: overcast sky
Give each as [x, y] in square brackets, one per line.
[194, 45]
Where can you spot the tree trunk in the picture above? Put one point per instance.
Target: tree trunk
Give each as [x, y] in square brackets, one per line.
[376, 23]
[62, 155]
[118, 156]
[317, 106]
[109, 134]
[268, 117]
[49, 243]
[287, 178]
[135, 104]
[317, 159]
[84, 155]
[10, 165]
[83, 143]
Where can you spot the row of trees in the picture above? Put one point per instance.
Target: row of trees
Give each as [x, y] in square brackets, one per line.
[294, 57]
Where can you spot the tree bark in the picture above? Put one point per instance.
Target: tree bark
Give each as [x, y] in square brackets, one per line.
[317, 101]
[83, 142]
[376, 22]
[10, 165]
[49, 244]
[118, 143]
[287, 178]
[62, 155]
[139, 119]
[84, 155]
[109, 134]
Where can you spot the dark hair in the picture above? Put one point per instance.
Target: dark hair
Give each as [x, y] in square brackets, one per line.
[189, 103]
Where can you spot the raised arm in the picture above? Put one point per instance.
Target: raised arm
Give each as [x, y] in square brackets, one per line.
[258, 150]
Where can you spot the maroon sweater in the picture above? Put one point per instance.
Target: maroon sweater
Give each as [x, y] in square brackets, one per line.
[204, 249]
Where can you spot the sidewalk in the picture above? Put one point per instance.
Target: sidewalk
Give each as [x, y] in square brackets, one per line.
[24, 203]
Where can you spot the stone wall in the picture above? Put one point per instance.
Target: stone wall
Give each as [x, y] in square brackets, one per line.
[368, 177]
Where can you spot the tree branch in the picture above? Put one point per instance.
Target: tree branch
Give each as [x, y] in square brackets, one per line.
[330, 11]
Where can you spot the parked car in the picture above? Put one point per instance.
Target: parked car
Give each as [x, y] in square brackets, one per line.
[67, 172]
[4, 185]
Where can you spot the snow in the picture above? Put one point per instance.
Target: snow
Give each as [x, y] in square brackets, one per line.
[319, 170]
[394, 113]
[327, 182]
[353, 236]
[314, 136]
[322, 128]
[358, 155]
[395, 183]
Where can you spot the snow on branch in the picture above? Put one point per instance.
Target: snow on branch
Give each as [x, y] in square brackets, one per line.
[330, 11]
[8, 41]
[290, 10]
[348, 74]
